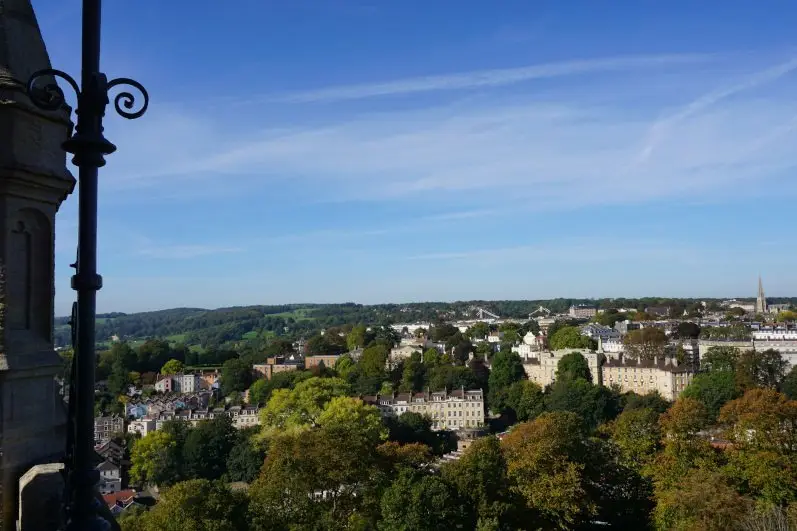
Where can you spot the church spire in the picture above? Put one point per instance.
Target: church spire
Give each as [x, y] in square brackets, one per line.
[761, 300]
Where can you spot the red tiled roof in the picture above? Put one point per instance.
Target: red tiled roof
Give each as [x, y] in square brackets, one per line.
[114, 497]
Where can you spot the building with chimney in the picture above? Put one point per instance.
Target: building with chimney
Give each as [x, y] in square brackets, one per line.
[34, 181]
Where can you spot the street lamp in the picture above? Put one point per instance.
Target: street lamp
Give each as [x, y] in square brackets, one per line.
[88, 147]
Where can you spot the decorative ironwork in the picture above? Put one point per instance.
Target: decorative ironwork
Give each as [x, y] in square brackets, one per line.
[128, 99]
[49, 97]
[84, 510]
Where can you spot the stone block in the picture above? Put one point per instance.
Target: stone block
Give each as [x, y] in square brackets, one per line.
[41, 491]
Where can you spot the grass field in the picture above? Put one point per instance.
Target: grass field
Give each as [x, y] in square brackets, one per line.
[302, 314]
[176, 338]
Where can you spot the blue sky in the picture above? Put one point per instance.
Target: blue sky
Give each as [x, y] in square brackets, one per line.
[377, 151]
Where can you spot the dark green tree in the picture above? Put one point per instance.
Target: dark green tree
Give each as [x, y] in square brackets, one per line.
[480, 477]
[419, 501]
[789, 384]
[713, 389]
[236, 376]
[652, 400]
[526, 399]
[595, 404]
[415, 428]
[207, 447]
[573, 366]
[413, 374]
[244, 460]
[507, 368]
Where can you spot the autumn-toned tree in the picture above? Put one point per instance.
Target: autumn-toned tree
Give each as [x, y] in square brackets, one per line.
[637, 434]
[764, 368]
[762, 419]
[545, 465]
[645, 343]
[702, 500]
[684, 419]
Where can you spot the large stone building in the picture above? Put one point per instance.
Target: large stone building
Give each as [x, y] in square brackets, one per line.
[448, 410]
[664, 375]
[541, 368]
[583, 311]
[34, 181]
[273, 366]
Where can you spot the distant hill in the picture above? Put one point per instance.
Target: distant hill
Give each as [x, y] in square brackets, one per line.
[204, 327]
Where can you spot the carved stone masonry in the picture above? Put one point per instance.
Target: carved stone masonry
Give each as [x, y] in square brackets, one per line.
[34, 181]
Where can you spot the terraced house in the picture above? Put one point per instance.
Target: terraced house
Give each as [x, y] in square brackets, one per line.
[448, 410]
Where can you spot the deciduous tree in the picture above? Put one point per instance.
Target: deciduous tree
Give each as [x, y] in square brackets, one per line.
[419, 501]
[573, 366]
[526, 399]
[300, 408]
[198, 505]
[545, 465]
[703, 500]
[645, 343]
[207, 447]
[569, 337]
[789, 384]
[236, 376]
[507, 368]
[172, 367]
[155, 459]
[480, 476]
[637, 435]
[713, 389]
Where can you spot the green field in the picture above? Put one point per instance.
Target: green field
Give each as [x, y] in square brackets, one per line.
[176, 338]
[301, 314]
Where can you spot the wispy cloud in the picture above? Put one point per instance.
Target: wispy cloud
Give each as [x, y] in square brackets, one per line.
[144, 246]
[487, 78]
[561, 153]
[581, 250]
[464, 214]
[662, 126]
[185, 251]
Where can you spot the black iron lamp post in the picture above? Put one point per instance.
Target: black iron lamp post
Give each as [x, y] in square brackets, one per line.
[89, 147]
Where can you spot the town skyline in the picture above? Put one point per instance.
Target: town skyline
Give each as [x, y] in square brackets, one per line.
[372, 154]
[754, 296]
